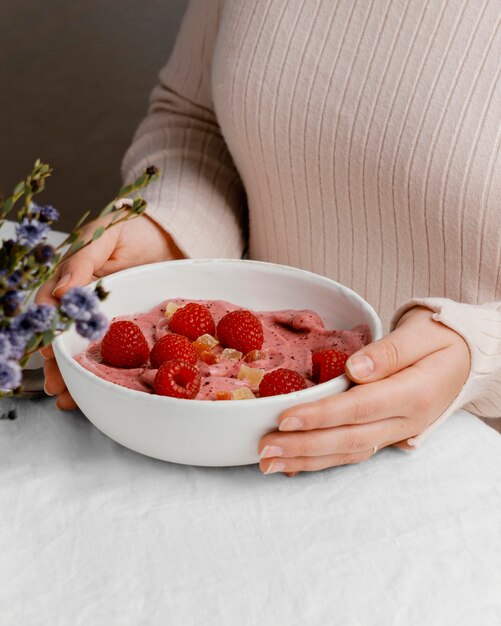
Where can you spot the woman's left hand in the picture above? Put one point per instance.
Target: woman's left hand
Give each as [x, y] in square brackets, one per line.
[406, 380]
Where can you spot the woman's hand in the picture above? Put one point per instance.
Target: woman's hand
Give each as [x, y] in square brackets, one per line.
[133, 242]
[407, 379]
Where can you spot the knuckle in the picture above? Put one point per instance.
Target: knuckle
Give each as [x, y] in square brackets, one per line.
[388, 354]
[354, 441]
[320, 418]
[303, 447]
[349, 459]
[362, 407]
[401, 424]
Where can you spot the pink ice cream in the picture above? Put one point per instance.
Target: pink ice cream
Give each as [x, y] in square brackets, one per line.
[290, 337]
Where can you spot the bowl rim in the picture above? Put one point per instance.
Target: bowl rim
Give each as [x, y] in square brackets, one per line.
[60, 348]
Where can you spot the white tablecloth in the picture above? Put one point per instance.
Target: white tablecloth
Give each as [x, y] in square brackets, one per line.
[93, 534]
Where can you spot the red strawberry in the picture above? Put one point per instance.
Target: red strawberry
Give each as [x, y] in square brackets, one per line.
[192, 321]
[172, 346]
[281, 381]
[177, 379]
[240, 330]
[327, 364]
[124, 345]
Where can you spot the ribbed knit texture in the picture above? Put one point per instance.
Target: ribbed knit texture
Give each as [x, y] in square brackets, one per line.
[367, 138]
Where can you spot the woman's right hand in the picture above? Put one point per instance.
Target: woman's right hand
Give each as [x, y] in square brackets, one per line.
[133, 242]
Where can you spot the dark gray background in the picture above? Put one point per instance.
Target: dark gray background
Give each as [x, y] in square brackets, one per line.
[74, 84]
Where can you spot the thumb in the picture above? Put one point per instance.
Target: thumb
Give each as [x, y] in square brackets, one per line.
[79, 269]
[406, 345]
[82, 268]
[75, 272]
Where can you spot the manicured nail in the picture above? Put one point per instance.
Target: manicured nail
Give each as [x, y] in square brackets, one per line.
[360, 366]
[64, 280]
[275, 466]
[269, 451]
[291, 423]
[47, 392]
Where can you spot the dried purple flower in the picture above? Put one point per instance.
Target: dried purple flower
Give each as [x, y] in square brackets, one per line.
[18, 341]
[10, 375]
[94, 328]
[11, 300]
[47, 213]
[5, 347]
[36, 319]
[31, 232]
[79, 304]
[14, 279]
[44, 253]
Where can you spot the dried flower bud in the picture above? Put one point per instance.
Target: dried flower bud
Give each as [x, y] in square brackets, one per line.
[44, 253]
[8, 245]
[152, 170]
[101, 292]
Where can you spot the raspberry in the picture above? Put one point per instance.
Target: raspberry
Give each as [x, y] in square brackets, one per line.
[172, 346]
[192, 320]
[177, 379]
[240, 330]
[327, 364]
[124, 345]
[281, 381]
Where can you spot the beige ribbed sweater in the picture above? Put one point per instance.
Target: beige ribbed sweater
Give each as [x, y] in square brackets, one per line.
[358, 139]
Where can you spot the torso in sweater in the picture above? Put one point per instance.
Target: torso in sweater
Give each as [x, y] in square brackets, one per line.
[367, 136]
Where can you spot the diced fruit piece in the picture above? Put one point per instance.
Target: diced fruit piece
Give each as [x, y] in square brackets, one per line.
[192, 320]
[240, 330]
[208, 340]
[224, 395]
[209, 357]
[242, 393]
[231, 355]
[200, 347]
[172, 346]
[281, 381]
[254, 375]
[327, 364]
[124, 345]
[255, 355]
[177, 379]
[170, 309]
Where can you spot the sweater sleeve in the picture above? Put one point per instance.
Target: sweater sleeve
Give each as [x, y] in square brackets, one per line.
[480, 326]
[199, 198]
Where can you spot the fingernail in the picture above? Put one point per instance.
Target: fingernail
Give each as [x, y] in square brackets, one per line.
[45, 389]
[64, 280]
[360, 366]
[291, 423]
[275, 466]
[269, 451]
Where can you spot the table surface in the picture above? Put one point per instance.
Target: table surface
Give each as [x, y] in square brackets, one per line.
[93, 533]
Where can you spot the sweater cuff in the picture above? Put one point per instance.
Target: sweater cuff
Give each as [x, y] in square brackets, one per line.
[480, 327]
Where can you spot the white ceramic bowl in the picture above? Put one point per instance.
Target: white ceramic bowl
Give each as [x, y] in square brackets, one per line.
[201, 432]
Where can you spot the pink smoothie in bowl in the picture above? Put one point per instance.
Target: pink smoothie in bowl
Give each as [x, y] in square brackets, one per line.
[290, 338]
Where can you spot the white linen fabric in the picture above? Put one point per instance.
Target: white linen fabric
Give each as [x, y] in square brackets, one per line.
[94, 534]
